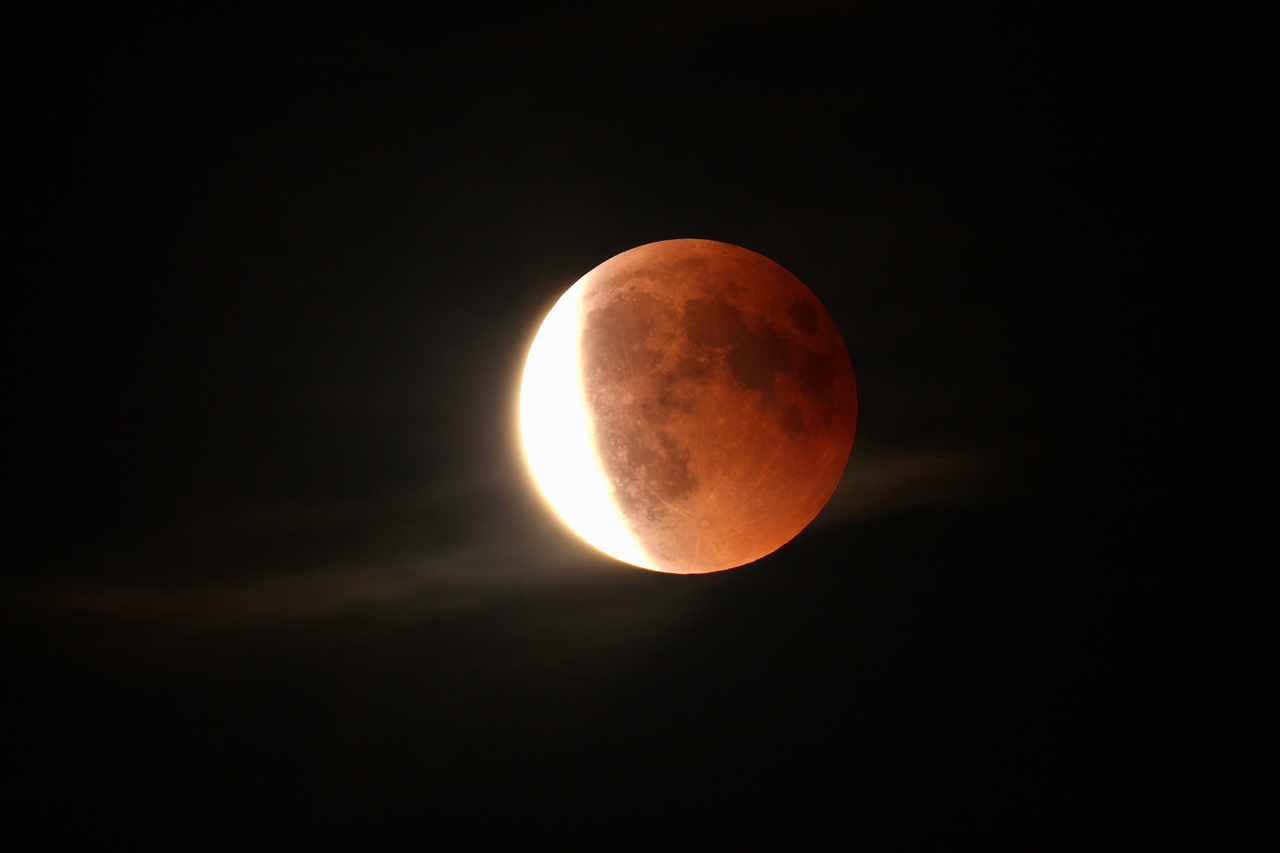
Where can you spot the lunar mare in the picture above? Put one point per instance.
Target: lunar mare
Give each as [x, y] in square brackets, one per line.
[701, 401]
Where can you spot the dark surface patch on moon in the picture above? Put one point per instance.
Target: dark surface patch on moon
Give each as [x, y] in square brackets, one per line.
[615, 337]
[817, 377]
[754, 357]
[806, 319]
[712, 323]
[757, 358]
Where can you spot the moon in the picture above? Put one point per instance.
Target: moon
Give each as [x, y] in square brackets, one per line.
[688, 406]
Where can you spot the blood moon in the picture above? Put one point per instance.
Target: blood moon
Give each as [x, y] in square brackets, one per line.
[688, 406]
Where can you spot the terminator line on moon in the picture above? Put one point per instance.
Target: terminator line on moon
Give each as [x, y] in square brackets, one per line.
[688, 406]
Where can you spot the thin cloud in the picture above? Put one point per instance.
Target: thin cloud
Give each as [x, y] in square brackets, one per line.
[879, 481]
[408, 572]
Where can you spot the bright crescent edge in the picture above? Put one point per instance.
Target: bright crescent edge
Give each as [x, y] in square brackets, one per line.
[558, 434]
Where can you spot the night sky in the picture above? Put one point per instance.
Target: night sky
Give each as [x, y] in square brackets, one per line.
[280, 569]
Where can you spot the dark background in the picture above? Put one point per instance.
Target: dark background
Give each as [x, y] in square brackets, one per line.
[281, 567]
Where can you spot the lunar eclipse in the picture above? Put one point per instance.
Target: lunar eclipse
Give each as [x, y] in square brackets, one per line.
[688, 406]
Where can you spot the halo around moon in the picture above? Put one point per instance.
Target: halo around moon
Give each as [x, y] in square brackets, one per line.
[688, 406]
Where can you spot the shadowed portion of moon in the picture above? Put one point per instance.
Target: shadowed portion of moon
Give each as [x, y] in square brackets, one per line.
[721, 400]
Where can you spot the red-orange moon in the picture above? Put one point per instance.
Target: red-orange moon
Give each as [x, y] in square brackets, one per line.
[716, 406]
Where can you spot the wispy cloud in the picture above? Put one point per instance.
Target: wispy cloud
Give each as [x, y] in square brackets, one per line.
[418, 569]
[881, 480]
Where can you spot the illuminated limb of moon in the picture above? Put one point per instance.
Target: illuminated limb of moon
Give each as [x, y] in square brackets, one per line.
[557, 435]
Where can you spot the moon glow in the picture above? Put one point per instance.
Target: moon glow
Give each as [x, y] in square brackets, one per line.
[688, 406]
